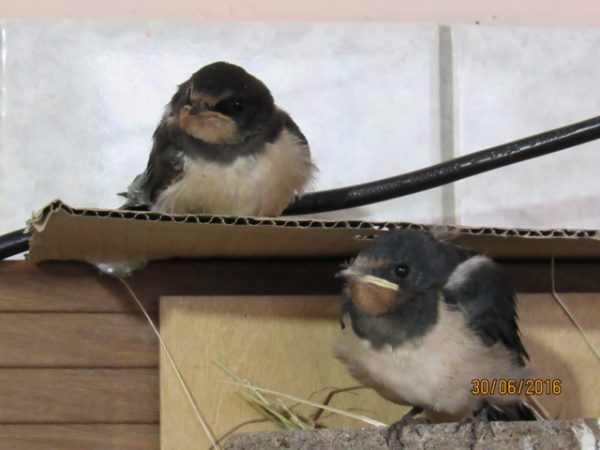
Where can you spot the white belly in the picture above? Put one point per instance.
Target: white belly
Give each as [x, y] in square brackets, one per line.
[434, 372]
[255, 185]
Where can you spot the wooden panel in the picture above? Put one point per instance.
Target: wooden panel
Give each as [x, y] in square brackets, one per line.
[72, 286]
[571, 276]
[558, 351]
[280, 342]
[62, 287]
[78, 396]
[285, 344]
[76, 340]
[239, 277]
[317, 277]
[78, 437]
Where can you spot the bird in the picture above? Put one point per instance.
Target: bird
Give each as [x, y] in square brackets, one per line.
[223, 147]
[422, 318]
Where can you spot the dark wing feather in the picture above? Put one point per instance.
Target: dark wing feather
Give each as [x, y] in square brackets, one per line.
[489, 302]
[508, 412]
[164, 166]
[165, 161]
[283, 120]
[289, 123]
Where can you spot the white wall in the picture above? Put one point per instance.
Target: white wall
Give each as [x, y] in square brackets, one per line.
[81, 98]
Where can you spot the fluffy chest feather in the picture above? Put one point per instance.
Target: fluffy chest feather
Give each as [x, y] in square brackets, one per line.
[434, 372]
[257, 185]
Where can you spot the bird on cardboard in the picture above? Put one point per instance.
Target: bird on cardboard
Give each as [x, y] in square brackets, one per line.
[422, 319]
[223, 147]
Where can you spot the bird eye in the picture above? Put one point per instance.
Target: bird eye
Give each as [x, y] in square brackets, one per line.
[238, 104]
[230, 106]
[401, 270]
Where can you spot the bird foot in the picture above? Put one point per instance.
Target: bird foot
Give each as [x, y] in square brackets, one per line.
[394, 431]
[479, 419]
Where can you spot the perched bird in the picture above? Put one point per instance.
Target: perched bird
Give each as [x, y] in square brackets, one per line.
[423, 318]
[223, 147]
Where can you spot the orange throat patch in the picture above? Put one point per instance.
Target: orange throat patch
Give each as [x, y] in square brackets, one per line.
[209, 126]
[372, 298]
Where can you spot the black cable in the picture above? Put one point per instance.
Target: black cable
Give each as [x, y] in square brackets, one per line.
[14, 243]
[502, 155]
[448, 171]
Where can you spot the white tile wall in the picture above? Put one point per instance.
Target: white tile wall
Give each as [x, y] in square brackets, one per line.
[514, 82]
[82, 100]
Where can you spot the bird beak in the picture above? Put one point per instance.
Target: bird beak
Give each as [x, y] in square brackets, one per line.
[197, 108]
[380, 282]
[351, 273]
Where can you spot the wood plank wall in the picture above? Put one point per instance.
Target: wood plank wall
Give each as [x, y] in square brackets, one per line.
[79, 364]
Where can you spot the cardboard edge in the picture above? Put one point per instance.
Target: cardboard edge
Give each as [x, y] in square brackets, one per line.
[40, 218]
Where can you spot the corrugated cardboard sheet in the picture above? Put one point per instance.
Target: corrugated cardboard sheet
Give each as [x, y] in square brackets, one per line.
[99, 235]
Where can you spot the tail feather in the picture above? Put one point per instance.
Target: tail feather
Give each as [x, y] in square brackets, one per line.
[134, 207]
[509, 412]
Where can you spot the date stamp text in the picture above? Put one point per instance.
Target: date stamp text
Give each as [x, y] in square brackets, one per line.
[508, 386]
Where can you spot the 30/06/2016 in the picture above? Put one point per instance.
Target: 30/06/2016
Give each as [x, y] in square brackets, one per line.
[508, 386]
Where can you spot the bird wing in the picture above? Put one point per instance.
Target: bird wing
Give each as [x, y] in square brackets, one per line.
[289, 123]
[489, 302]
[164, 166]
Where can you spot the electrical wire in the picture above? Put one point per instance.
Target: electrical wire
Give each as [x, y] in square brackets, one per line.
[13, 243]
[420, 180]
[448, 171]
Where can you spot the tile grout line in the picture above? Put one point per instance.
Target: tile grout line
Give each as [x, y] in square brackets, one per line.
[2, 73]
[2, 98]
[2, 79]
[447, 123]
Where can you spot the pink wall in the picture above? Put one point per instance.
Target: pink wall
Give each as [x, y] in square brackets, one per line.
[486, 12]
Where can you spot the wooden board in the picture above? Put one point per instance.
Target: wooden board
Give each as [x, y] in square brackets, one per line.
[61, 327]
[78, 396]
[69, 287]
[284, 343]
[558, 351]
[79, 287]
[62, 287]
[76, 340]
[280, 342]
[78, 436]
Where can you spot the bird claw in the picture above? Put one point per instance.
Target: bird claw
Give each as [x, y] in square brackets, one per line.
[394, 431]
[479, 418]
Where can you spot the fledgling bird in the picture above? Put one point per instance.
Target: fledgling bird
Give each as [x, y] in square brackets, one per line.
[423, 318]
[223, 147]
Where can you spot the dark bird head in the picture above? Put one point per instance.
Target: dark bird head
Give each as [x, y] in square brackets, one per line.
[398, 266]
[222, 104]
[393, 287]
